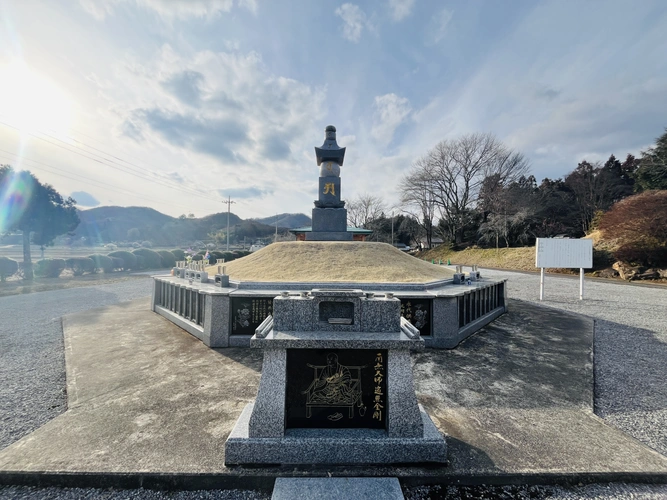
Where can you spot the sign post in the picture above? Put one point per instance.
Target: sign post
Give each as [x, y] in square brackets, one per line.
[564, 253]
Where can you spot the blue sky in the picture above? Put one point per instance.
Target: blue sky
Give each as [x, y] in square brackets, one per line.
[177, 104]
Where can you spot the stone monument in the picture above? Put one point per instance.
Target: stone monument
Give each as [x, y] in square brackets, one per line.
[329, 221]
[336, 385]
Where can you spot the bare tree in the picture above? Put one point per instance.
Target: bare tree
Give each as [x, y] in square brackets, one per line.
[417, 198]
[451, 175]
[364, 209]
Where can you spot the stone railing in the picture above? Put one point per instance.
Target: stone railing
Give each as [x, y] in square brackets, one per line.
[181, 300]
[476, 304]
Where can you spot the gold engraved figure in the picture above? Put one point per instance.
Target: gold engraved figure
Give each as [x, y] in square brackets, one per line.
[330, 188]
[335, 385]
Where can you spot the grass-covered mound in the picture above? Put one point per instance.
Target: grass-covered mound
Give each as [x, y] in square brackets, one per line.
[332, 261]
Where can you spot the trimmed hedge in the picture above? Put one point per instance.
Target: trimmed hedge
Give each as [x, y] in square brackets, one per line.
[116, 263]
[129, 259]
[228, 256]
[80, 265]
[102, 263]
[8, 267]
[215, 255]
[179, 254]
[152, 259]
[141, 262]
[49, 268]
[168, 259]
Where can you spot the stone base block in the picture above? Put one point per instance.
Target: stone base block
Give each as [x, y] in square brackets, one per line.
[333, 446]
[359, 488]
[329, 220]
[328, 236]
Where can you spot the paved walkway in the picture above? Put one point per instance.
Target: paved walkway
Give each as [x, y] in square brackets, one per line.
[631, 334]
[630, 346]
[147, 399]
[32, 359]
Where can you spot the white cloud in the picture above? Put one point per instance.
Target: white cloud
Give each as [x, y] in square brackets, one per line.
[400, 9]
[390, 111]
[168, 9]
[247, 119]
[439, 24]
[251, 5]
[97, 8]
[354, 19]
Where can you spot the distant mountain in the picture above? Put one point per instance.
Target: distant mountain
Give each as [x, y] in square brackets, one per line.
[117, 224]
[288, 221]
[106, 224]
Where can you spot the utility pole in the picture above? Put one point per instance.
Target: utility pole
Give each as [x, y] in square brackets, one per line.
[229, 204]
[392, 228]
[276, 236]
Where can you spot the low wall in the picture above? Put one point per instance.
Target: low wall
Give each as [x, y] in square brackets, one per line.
[228, 317]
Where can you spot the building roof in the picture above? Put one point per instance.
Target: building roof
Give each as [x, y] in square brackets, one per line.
[350, 229]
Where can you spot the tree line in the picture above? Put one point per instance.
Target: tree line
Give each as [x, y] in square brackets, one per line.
[474, 190]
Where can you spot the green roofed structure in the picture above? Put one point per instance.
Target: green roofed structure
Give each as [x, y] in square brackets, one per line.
[358, 234]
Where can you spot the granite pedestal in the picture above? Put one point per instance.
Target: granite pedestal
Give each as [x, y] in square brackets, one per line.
[336, 386]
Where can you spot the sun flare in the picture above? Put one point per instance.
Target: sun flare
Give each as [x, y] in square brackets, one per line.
[32, 102]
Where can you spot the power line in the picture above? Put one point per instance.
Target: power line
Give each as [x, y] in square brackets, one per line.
[68, 175]
[115, 165]
[112, 164]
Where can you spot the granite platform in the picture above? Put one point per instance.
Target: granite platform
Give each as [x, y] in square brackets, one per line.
[359, 488]
[151, 406]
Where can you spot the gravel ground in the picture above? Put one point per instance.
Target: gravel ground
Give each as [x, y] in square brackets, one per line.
[32, 357]
[630, 348]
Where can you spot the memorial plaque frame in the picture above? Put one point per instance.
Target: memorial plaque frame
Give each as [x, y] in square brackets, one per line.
[248, 313]
[419, 313]
[336, 388]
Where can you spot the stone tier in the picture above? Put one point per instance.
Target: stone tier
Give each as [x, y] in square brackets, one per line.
[334, 446]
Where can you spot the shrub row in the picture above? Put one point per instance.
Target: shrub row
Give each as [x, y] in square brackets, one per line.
[8, 267]
[142, 258]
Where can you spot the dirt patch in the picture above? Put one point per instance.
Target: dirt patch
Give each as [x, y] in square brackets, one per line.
[332, 261]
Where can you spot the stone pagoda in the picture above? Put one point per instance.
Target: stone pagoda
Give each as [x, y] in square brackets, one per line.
[329, 215]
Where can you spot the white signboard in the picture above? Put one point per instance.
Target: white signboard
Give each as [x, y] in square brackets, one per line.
[561, 252]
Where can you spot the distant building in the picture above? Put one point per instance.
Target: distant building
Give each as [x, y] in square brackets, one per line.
[357, 233]
[423, 243]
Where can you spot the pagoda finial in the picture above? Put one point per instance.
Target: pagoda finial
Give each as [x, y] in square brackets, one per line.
[330, 151]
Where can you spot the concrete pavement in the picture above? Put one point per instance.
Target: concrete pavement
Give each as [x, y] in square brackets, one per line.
[150, 405]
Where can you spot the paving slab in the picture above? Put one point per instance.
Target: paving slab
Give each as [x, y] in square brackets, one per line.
[150, 405]
[359, 488]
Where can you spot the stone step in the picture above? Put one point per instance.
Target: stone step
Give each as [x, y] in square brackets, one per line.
[359, 488]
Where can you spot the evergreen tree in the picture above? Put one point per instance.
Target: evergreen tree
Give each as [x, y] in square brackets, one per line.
[652, 171]
[35, 209]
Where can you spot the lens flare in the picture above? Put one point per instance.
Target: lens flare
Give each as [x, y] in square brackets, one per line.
[16, 190]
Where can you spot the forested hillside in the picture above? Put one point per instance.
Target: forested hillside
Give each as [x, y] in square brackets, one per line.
[140, 224]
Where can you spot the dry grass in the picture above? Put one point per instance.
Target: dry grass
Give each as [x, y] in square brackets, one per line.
[332, 261]
[502, 258]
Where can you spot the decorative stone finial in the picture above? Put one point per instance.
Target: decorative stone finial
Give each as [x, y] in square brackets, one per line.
[330, 151]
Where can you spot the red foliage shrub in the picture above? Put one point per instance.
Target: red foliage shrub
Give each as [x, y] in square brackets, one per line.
[639, 225]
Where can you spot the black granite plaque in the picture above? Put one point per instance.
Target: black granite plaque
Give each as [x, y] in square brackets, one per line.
[336, 388]
[418, 312]
[248, 313]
